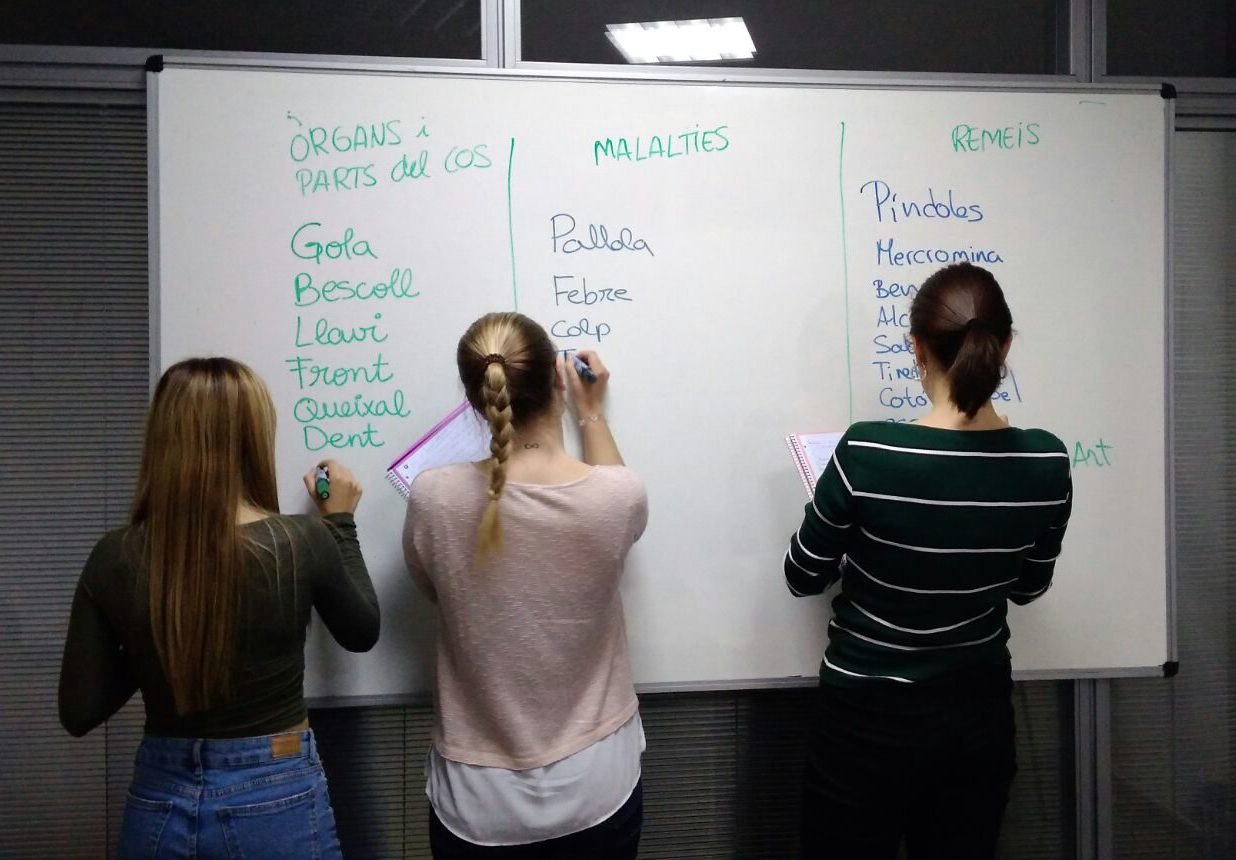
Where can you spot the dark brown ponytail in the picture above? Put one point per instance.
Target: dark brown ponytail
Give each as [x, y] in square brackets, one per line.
[961, 318]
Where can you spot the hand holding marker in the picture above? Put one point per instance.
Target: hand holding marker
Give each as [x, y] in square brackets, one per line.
[587, 387]
[586, 382]
[582, 368]
[333, 488]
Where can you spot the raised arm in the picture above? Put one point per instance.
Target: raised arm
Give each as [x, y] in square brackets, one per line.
[343, 593]
[587, 403]
[813, 561]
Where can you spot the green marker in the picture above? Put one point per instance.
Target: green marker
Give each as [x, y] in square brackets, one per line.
[321, 483]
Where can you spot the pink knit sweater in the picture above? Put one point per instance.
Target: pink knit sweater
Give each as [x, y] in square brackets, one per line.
[532, 660]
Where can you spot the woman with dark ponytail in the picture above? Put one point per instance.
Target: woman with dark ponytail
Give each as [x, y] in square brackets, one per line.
[537, 737]
[962, 331]
[931, 528]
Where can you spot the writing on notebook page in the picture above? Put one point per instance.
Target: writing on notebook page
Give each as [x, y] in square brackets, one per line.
[811, 452]
[460, 437]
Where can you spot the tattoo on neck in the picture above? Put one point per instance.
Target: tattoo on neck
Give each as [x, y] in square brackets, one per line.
[532, 445]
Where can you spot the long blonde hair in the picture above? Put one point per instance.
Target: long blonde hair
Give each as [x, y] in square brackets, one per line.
[209, 448]
[507, 365]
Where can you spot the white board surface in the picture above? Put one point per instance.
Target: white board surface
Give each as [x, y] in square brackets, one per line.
[742, 256]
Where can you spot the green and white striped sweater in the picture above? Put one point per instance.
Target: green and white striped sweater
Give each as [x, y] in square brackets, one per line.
[931, 532]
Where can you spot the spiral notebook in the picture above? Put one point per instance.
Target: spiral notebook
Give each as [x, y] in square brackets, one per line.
[460, 437]
[812, 451]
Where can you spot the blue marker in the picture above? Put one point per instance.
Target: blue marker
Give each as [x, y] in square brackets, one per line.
[321, 483]
[582, 368]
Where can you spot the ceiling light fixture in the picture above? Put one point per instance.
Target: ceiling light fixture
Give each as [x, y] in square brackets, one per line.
[700, 40]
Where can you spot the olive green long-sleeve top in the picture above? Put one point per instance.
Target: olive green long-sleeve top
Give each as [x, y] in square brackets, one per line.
[294, 564]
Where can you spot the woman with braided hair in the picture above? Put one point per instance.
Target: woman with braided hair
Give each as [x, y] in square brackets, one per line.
[537, 737]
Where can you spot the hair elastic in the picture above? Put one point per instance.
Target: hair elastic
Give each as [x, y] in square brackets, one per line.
[494, 358]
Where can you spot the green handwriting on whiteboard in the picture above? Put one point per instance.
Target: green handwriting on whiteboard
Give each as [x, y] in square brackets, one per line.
[319, 140]
[974, 138]
[660, 146]
[308, 292]
[409, 166]
[311, 413]
[309, 244]
[1097, 455]
[309, 374]
[317, 439]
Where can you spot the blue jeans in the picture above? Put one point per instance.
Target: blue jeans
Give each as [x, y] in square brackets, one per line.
[262, 797]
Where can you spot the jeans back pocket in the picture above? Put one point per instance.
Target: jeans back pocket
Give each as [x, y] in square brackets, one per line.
[273, 829]
[141, 831]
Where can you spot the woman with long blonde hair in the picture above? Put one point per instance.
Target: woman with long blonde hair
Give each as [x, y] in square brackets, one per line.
[537, 738]
[201, 603]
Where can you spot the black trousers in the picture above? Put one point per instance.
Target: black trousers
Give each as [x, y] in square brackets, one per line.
[615, 838]
[928, 763]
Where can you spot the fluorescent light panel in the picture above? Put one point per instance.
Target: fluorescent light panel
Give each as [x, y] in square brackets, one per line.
[696, 41]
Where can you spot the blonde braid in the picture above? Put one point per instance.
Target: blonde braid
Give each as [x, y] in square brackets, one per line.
[498, 412]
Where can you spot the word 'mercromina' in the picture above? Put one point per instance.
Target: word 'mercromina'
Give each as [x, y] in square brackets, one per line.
[660, 146]
[886, 255]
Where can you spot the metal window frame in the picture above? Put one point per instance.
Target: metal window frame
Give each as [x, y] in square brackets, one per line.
[90, 69]
[1203, 104]
[1079, 66]
[1188, 87]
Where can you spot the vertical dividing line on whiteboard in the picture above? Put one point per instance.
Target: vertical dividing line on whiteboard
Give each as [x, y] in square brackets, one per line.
[845, 269]
[510, 222]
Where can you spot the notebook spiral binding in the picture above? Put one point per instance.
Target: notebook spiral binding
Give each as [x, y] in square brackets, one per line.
[800, 458]
[398, 484]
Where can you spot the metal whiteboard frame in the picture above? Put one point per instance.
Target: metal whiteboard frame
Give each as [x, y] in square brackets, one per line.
[713, 77]
[1169, 369]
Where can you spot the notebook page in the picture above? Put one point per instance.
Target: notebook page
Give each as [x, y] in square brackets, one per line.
[818, 449]
[458, 438]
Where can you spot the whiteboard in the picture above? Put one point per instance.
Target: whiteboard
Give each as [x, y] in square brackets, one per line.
[742, 257]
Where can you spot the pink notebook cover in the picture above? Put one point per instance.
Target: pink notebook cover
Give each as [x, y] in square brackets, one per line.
[460, 437]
